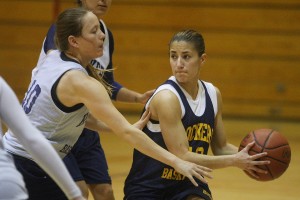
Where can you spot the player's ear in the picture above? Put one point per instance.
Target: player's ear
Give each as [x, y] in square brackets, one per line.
[73, 41]
[203, 58]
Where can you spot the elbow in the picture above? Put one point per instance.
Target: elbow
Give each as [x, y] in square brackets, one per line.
[218, 151]
[226, 150]
[127, 133]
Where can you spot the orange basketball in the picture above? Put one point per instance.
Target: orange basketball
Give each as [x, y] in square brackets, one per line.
[277, 147]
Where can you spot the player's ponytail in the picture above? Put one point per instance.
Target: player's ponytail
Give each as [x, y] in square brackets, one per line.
[97, 74]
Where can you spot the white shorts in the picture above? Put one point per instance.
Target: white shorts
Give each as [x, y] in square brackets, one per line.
[12, 185]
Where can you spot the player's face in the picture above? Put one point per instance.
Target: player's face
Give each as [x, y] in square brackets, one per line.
[98, 7]
[185, 61]
[90, 43]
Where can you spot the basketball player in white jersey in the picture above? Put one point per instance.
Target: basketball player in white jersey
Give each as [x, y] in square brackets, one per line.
[12, 186]
[186, 119]
[61, 101]
[94, 170]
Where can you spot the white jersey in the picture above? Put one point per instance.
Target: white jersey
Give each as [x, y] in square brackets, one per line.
[103, 61]
[60, 125]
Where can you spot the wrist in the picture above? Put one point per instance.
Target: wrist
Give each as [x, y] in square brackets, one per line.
[174, 160]
[233, 160]
[138, 98]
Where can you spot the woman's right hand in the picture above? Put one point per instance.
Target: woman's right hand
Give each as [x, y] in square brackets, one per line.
[191, 170]
[250, 163]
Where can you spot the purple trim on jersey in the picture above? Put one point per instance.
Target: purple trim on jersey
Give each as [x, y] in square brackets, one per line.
[49, 43]
[116, 88]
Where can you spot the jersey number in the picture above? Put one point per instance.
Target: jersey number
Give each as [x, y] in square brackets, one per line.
[31, 96]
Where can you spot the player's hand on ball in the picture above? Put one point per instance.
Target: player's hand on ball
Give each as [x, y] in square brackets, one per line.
[250, 162]
[277, 147]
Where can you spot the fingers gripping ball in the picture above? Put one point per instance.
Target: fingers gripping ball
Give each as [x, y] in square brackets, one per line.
[277, 147]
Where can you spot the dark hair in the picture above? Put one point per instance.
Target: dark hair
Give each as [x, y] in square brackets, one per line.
[192, 37]
[79, 2]
[69, 22]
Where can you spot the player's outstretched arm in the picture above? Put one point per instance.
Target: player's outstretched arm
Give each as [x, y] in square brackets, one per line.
[102, 108]
[130, 96]
[97, 125]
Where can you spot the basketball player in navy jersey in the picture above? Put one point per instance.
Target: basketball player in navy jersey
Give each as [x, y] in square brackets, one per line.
[61, 101]
[186, 119]
[94, 169]
[12, 186]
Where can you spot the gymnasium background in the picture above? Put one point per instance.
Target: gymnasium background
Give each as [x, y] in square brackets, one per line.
[253, 49]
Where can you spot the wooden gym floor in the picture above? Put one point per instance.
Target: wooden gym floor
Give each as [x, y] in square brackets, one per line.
[229, 183]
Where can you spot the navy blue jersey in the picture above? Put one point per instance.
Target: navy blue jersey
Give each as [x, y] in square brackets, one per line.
[151, 176]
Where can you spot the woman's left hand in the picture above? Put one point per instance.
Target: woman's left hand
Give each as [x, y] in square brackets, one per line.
[143, 120]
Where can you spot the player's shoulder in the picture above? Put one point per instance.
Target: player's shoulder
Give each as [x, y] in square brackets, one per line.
[106, 29]
[211, 88]
[213, 93]
[208, 85]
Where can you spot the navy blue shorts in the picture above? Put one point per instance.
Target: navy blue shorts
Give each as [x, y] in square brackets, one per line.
[178, 191]
[185, 190]
[39, 185]
[87, 160]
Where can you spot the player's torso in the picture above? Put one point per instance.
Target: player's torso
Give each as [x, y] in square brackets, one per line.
[199, 125]
[60, 125]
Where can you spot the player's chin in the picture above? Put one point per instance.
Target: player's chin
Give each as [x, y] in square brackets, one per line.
[99, 53]
[182, 78]
[101, 10]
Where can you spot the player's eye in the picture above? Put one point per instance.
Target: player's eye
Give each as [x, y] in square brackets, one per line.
[174, 57]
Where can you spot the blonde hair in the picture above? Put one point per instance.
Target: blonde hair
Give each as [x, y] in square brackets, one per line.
[69, 22]
[97, 74]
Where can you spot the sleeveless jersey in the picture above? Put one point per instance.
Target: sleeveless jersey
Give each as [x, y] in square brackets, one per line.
[198, 123]
[103, 62]
[59, 124]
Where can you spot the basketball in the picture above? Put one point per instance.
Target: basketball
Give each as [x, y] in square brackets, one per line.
[277, 147]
